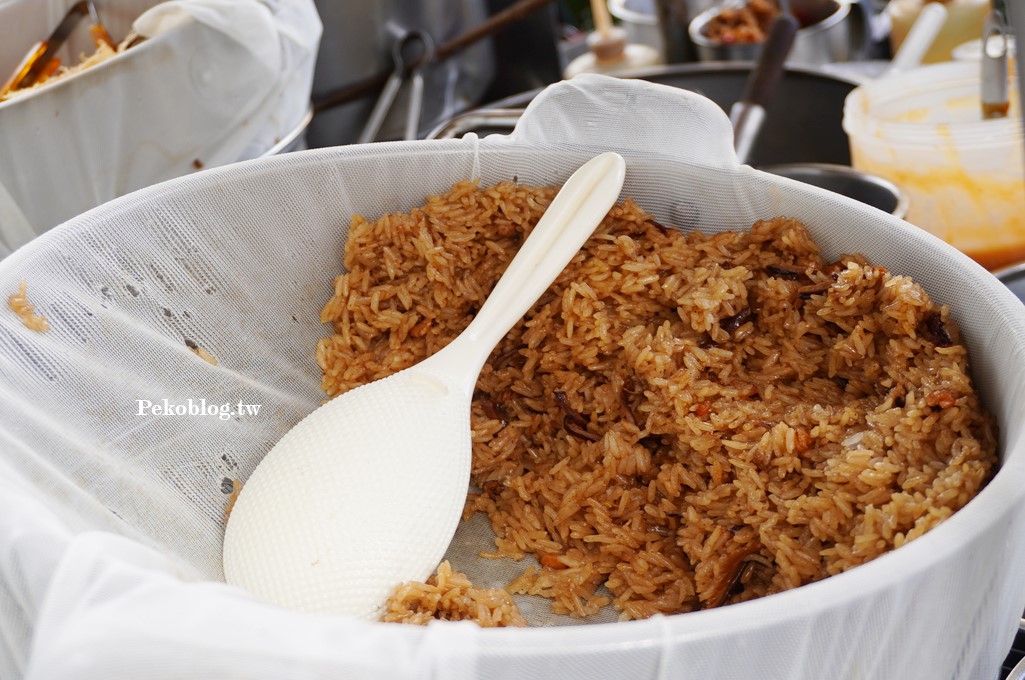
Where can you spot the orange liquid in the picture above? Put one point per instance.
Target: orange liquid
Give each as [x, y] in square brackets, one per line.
[998, 258]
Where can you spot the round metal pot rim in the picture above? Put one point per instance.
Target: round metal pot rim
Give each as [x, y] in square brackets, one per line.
[697, 26]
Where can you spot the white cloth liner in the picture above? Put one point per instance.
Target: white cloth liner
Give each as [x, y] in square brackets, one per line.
[111, 523]
[218, 81]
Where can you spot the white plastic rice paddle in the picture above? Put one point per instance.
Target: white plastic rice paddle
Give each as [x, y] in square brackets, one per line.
[366, 491]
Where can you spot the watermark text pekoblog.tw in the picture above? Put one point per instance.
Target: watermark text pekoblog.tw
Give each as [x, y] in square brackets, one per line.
[196, 407]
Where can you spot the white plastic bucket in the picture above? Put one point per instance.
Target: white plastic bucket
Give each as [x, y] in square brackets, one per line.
[965, 176]
[214, 83]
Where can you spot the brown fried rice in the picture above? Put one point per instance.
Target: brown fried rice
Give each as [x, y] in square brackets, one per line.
[682, 420]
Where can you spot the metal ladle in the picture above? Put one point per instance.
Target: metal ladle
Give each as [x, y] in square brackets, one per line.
[407, 65]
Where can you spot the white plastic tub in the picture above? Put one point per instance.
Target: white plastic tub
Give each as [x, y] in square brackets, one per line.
[964, 176]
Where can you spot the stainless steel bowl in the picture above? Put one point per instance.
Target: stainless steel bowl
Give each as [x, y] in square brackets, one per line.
[841, 179]
[842, 36]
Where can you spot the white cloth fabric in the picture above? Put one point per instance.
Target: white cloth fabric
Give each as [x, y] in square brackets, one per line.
[216, 82]
[111, 523]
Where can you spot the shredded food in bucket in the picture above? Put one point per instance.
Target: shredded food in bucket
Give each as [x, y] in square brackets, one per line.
[683, 420]
[103, 53]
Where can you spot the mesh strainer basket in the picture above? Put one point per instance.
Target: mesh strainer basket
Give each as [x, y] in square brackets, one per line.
[111, 523]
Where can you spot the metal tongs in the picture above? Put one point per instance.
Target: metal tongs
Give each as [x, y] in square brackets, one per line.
[41, 61]
[995, 102]
[408, 65]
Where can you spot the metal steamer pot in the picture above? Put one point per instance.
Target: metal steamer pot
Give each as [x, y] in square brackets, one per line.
[357, 43]
[801, 126]
[844, 35]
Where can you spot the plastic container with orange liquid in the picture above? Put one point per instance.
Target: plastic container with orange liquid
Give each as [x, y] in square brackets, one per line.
[964, 176]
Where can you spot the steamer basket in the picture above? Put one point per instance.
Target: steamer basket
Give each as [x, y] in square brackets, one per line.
[111, 523]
